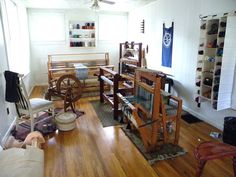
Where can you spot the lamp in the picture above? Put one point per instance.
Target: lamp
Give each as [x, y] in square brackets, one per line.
[95, 6]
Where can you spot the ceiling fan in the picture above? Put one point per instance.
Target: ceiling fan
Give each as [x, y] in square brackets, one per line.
[95, 5]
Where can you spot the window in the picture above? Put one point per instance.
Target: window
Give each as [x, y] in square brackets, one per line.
[17, 40]
[48, 26]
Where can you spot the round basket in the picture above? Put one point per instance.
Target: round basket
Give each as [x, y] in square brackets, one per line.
[66, 121]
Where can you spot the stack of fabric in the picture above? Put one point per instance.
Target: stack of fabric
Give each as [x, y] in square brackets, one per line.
[81, 71]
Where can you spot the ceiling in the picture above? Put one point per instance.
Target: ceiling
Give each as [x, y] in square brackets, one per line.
[120, 5]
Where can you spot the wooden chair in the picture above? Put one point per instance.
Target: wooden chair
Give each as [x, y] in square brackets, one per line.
[213, 150]
[31, 107]
[147, 111]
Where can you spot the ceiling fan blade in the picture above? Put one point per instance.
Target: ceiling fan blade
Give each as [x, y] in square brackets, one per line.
[107, 2]
[87, 2]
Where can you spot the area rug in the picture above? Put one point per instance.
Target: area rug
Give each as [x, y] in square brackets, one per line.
[44, 123]
[105, 113]
[163, 152]
[189, 118]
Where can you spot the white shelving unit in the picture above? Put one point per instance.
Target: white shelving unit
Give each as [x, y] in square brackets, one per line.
[82, 34]
[208, 72]
[216, 63]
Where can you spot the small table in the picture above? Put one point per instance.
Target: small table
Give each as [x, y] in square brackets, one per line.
[66, 121]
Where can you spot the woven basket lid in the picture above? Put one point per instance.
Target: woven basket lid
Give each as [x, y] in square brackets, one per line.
[66, 117]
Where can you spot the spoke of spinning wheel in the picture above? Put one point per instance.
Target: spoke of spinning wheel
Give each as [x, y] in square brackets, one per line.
[68, 81]
[74, 84]
[64, 83]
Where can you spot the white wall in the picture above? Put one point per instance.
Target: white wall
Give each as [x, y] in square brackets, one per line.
[185, 15]
[41, 50]
[234, 91]
[6, 120]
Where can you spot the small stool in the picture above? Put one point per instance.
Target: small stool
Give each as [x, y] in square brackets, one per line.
[66, 121]
[213, 150]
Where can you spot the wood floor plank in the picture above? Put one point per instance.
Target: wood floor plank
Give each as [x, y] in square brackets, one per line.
[93, 151]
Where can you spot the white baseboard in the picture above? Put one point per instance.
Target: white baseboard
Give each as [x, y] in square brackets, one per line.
[202, 117]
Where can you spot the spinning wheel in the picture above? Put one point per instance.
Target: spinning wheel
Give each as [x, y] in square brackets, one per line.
[69, 83]
[70, 88]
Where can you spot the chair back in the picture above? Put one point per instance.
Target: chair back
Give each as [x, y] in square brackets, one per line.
[23, 102]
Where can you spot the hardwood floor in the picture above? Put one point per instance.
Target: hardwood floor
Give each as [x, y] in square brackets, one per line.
[91, 150]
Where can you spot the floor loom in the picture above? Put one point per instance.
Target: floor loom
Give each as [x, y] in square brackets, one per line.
[114, 80]
[148, 110]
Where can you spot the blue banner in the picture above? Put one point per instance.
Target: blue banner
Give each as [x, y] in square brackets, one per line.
[167, 44]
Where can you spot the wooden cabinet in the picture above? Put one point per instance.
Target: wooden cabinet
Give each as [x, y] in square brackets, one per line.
[82, 34]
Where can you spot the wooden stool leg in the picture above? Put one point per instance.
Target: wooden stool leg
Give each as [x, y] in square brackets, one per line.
[200, 167]
[234, 165]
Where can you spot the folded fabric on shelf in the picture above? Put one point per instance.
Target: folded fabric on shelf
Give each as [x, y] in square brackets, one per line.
[222, 34]
[223, 24]
[213, 29]
[81, 71]
[203, 26]
[207, 81]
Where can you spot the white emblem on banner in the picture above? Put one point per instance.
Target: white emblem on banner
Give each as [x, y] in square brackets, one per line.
[167, 39]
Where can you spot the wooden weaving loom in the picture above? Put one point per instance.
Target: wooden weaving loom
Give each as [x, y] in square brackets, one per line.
[113, 79]
[148, 111]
